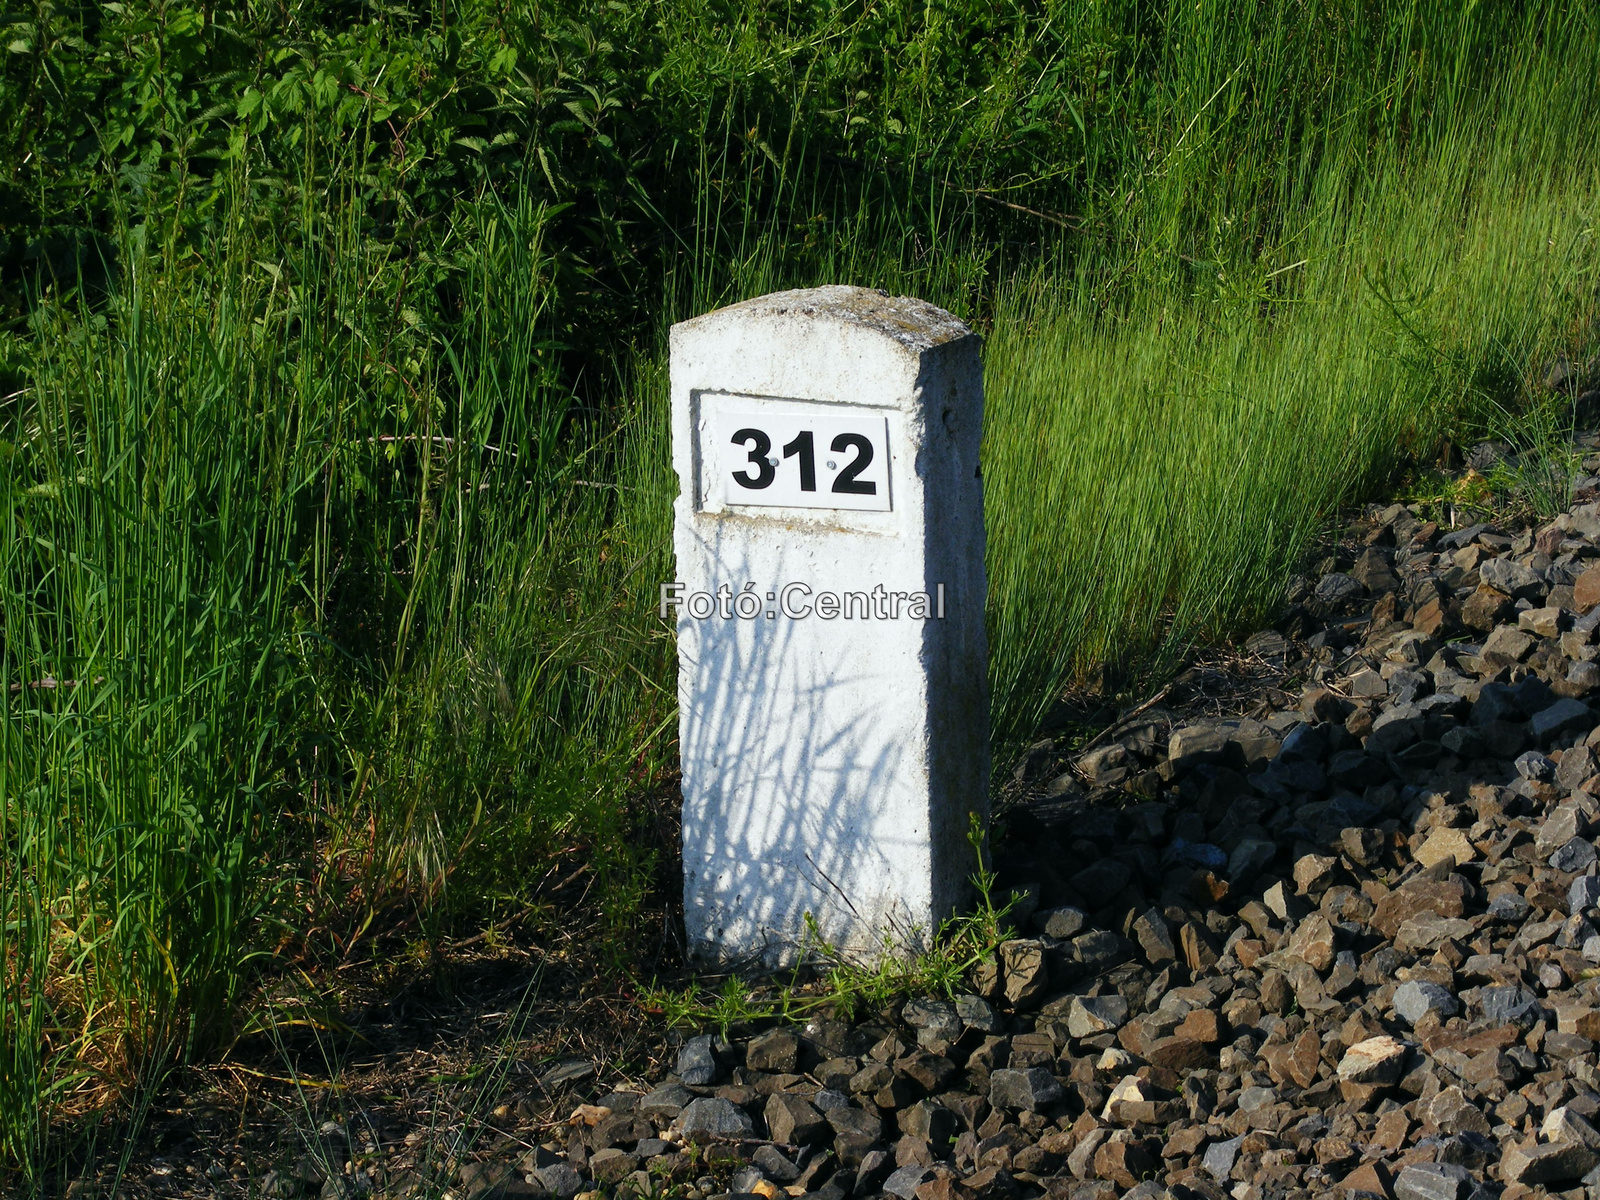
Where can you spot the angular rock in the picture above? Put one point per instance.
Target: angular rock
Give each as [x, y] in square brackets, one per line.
[1509, 906]
[1442, 844]
[1445, 898]
[1123, 1163]
[1573, 856]
[928, 1071]
[1098, 950]
[1363, 846]
[1090, 1015]
[977, 1013]
[1566, 822]
[904, 1182]
[1369, 1179]
[1432, 1181]
[1220, 1157]
[1179, 1054]
[1539, 768]
[1561, 717]
[664, 1103]
[612, 1166]
[1025, 1091]
[1253, 855]
[1155, 937]
[939, 1019]
[1414, 1000]
[1562, 1124]
[697, 1062]
[1427, 932]
[1276, 993]
[1510, 1004]
[1372, 571]
[794, 1120]
[1578, 766]
[1555, 1162]
[1508, 643]
[1295, 1061]
[1313, 942]
[1060, 923]
[1314, 873]
[1024, 973]
[1584, 893]
[1081, 1160]
[1334, 590]
[774, 1165]
[774, 1050]
[1544, 622]
[1203, 1025]
[1450, 1112]
[1485, 608]
[1193, 744]
[1512, 578]
[1199, 950]
[928, 1122]
[560, 1179]
[1374, 1060]
[1367, 684]
[712, 1117]
[857, 1132]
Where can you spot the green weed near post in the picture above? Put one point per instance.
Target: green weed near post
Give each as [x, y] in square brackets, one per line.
[914, 963]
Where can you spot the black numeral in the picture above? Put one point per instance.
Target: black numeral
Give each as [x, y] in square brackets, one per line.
[765, 471]
[848, 481]
[802, 445]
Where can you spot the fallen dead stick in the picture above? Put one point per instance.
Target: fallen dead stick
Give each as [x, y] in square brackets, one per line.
[50, 684]
[1122, 720]
[292, 1080]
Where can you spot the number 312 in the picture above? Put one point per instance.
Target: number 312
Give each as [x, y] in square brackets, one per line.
[766, 469]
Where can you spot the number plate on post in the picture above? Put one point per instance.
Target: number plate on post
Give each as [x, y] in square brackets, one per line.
[821, 460]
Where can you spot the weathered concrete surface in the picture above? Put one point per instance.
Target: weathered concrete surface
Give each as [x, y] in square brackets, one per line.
[830, 766]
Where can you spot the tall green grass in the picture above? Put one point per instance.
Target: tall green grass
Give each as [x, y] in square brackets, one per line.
[1157, 466]
[303, 626]
[329, 553]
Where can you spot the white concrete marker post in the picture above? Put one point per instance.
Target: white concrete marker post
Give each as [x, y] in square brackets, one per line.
[829, 604]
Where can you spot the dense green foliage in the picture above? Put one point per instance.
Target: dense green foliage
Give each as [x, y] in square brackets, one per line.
[665, 137]
[335, 491]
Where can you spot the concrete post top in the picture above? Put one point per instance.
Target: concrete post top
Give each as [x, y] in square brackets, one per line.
[915, 324]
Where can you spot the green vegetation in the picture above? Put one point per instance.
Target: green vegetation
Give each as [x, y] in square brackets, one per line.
[1155, 475]
[335, 488]
[824, 980]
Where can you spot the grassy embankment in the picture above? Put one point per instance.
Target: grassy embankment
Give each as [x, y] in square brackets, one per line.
[335, 483]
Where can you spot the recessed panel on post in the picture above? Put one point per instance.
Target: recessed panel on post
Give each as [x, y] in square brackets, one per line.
[828, 600]
[777, 454]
